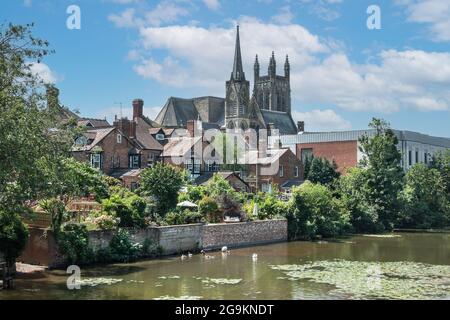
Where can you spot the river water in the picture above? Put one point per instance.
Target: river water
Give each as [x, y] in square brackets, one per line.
[398, 266]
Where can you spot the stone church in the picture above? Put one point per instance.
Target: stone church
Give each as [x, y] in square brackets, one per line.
[268, 106]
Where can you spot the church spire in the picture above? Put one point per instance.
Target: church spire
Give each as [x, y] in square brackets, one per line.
[238, 72]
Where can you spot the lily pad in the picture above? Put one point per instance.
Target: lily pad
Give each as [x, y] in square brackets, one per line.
[93, 282]
[375, 280]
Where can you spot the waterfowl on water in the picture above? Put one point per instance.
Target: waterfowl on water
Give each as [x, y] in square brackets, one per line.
[183, 257]
[189, 255]
[254, 256]
[224, 249]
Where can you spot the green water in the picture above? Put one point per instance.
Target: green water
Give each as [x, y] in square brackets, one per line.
[405, 266]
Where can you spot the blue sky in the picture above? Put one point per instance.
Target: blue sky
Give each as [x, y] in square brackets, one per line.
[343, 74]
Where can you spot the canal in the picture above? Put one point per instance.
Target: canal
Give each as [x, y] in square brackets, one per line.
[397, 266]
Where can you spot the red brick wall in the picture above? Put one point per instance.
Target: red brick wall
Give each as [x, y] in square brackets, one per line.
[344, 153]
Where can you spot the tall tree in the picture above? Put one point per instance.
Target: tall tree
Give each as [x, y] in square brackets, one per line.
[322, 171]
[32, 137]
[384, 175]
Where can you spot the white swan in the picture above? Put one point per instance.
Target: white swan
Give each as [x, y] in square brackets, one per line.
[224, 249]
[183, 257]
[255, 256]
[189, 255]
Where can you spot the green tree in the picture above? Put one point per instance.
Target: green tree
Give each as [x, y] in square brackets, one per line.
[441, 162]
[426, 203]
[33, 138]
[384, 175]
[352, 192]
[163, 182]
[130, 209]
[13, 235]
[313, 212]
[322, 171]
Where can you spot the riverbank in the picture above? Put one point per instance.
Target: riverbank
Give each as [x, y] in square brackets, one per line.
[42, 249]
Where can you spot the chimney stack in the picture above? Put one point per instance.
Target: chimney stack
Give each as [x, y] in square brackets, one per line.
[194, 127]
[138, 108]
[301, 126]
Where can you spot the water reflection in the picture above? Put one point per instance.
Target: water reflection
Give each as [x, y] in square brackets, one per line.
[207, 276]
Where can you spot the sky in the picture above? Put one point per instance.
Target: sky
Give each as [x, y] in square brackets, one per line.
[343, 73]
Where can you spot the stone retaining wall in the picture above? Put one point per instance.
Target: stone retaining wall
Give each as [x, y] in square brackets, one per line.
[214, 236]
[41, 248]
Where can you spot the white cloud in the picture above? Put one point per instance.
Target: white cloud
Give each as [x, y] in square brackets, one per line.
[402, 80]
[322, 120]
[212, 4]
[27, 3]
[434, 13]
[323, 9]
[44, 72]
[201, 58]
[127, 19]
[163, 12]
[284, 16]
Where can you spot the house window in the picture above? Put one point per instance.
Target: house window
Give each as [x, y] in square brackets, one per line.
[296, 171]
[135, 161]
[417, 156]
[410, 157]
[115, 161]
[96, 160]
[119, 138]
[160, 137]
[425, 157]
[281, 171]
[306, 154]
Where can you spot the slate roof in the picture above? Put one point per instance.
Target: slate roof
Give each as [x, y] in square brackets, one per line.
[180, 146]
[178, 111]
[121, 173]
[95, 123]
[94, 136]
[291, 183]
[143, 136]
[281, 120]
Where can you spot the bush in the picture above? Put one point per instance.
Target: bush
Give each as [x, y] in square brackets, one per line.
[229, 205]
[13, 235]
[130, 210]
[122, 249]
[425, 201]
[322, 171]
[73, 243]
[183, 217]
[106, 222]
[209, 209]
[313, 212]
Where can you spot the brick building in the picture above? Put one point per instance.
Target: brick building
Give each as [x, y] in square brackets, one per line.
[121, 150]
[343, 147]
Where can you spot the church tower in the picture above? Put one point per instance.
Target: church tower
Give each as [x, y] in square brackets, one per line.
[237, 93]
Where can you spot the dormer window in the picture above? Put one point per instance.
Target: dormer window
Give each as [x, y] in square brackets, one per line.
[160, 137]
[81, 141]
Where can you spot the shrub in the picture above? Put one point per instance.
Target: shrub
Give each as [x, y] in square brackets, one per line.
[209, 209]
[183, 217]
[57, 210]
[106, 222]
[229, 205]
[130, 210]
[73, 243]
[13, 235]
[322, 171]
[314, 212]
[122, 249]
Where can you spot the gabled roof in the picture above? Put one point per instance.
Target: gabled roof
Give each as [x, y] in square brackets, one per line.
[95, 123]
[204, 178]
[281, 120]
[94, 137]
[180, 146]
[272, 155]
[143, 136]
[178, 111]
